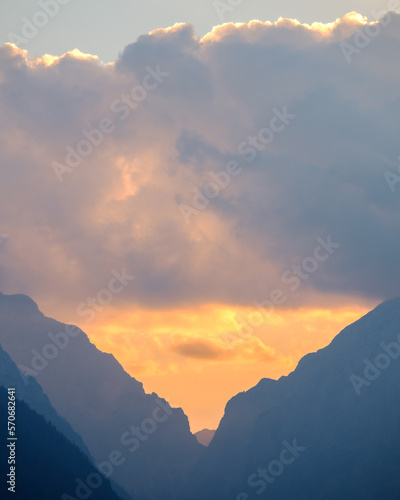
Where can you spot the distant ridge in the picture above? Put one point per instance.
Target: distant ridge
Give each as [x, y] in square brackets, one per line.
[204, 436]
[337, 416]
[47, 464]
[328, 430]
[28, 390]
[105, 405]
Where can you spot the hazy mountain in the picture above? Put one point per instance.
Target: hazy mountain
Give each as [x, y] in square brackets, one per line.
[204, 436]
[47, 464]
[28, 390]
[329, 430]
[102, 402]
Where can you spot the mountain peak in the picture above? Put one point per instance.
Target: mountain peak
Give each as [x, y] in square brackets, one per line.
[91, 390]
[205, 436]
[18, 301]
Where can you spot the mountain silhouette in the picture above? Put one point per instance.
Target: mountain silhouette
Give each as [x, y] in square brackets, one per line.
[47, 465]
[28, 390]
[135, 438]
[330, 430]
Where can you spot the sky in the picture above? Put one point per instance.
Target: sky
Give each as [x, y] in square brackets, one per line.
[105, 27]
[209, 203]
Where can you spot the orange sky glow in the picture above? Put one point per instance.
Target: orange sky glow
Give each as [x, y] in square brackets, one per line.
[197, 359]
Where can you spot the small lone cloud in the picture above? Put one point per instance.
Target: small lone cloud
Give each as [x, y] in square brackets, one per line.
[198, 350]
[244, 350]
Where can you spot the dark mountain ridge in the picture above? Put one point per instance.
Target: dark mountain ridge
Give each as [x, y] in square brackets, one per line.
[328, 430]
[47, 465]
[342, 412]
[105, 405]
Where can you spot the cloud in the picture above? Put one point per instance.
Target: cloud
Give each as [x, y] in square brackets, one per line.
[167, 341]
[198, 350]
[119, 208]
[251, 349]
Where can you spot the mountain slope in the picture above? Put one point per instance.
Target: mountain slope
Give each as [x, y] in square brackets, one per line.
[47, 464]
[28, 390]
[106, 406]
[337, 417]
